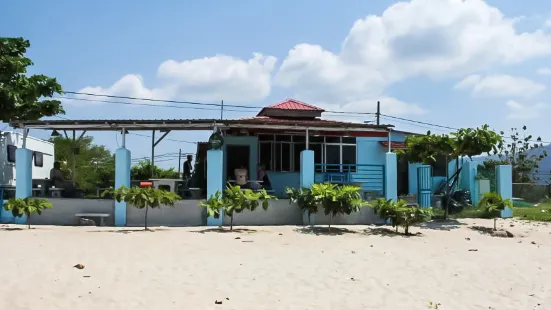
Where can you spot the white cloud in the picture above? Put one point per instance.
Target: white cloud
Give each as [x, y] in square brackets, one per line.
[519, 111]
[544, 71]
[438, 39]
[500, 86]
[208, 79]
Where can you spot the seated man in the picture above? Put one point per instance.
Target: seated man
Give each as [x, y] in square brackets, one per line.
[241, 176]
[56, 175]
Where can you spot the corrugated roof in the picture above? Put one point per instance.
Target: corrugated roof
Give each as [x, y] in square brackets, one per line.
[293, 104]
[267, 119]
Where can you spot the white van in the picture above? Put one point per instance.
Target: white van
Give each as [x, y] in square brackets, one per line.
[43, 156]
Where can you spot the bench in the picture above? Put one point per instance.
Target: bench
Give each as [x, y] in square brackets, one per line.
[101, 216]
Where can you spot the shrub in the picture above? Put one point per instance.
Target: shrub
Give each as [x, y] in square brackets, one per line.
[26, 206]
[144, 198]
[236, 200]
[400, 214]
[304, 199]
[492, 204]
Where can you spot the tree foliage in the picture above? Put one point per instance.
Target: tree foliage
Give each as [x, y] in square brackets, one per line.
[236, 200]
[334, 199]
[142, 171]
[492, 204]
[464, 142]
[94, 164]
[23, 96]
[400, 214]
[523, 153]
[144, 198]
[26, 206]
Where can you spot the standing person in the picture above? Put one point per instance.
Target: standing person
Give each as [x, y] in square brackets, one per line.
[188, 168]
[56, 175]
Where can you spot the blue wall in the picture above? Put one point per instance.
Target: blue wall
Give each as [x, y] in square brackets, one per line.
[252, 143]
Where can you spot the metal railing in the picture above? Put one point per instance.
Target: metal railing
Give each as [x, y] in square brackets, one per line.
[370, 178]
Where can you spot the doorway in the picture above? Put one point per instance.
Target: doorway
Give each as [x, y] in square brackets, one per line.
[238, 155]
[403, 177]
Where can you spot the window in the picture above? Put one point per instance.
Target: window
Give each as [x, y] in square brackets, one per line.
[11, 153]
[439, 167]
[38, 159]
[282, 152]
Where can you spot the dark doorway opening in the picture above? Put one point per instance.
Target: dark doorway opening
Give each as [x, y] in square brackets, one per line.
[403, 177]
[238, 156]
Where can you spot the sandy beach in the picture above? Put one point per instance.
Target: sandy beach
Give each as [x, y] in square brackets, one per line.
[356, 267]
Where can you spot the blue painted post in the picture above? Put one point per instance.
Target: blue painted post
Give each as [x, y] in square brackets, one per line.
[215, 168]
[122, 178]
[412, 177]
[391, 176]
[307, 175]
[468, 179]
[23, 177]
[504, 176]
[424, 185]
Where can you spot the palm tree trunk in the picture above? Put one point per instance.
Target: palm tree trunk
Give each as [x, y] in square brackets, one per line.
[495, 220]
[29, 221]
[146, 209]
[231, 222]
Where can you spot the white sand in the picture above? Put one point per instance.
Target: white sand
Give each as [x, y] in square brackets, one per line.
[179, 268]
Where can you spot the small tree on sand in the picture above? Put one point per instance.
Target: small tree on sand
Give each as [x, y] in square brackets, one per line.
[236, 200]
[492, 204]
[337, 199]
[26, 206]
[305, 200]
[144, 198]
[401, 214]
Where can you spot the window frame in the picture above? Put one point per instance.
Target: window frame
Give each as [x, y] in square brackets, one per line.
[35, 159]
[8, 157]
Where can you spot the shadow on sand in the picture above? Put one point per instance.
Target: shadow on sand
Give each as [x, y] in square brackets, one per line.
[324, 231]
[127, 231]
[225, 230]
[388, 232]
[12, 229]
[440, 224]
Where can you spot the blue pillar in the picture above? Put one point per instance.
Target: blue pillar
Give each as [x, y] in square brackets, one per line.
[23, 177]
[468, 180]
[215, 167]
[412, 177]
[122, 178]
[424, 186]
[391, 176]
[307, 176]
[504, 177]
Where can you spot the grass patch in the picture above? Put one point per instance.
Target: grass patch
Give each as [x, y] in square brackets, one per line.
[541, 212]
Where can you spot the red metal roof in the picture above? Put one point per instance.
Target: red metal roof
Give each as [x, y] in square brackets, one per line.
[267, 119]
[292, 104]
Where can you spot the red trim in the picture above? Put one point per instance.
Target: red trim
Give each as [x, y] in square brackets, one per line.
[374, 134]
[146, 184]
[394, 145]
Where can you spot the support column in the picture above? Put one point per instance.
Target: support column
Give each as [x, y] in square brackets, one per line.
[122, 178]
[391, 176]
[215, 183]
[424, 186]
[468, 180]
[504, 178]
[307, 178]
[23, 178]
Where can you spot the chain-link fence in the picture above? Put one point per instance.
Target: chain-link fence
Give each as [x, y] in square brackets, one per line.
[531, 192]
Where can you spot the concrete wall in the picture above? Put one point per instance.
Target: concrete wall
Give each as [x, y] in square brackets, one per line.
[280, 212]
[366, 216]
[64, 210]
[184, 213]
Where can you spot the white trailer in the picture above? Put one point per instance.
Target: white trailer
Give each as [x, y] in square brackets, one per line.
[43, 156]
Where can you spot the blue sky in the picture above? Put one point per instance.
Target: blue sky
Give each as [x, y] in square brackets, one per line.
[450, 62]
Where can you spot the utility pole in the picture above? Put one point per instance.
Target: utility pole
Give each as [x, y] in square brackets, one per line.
[222, 111]
[378, 114]
[179, 161]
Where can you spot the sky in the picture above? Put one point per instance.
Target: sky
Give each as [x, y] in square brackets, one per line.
[455, 63]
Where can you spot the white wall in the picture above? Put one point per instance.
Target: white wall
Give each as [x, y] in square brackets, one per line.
[7, 169]
[64, 210]
[184, 213]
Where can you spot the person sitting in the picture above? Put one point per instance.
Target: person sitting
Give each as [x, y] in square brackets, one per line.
[57, 176]
[263, 176]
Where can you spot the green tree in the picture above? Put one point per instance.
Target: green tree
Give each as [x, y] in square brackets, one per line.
[400, 214]
[523, 153]
[144, 198]
[94, 164]
[142, 171]
[23, 96]
[492, 204]
[26, 206]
